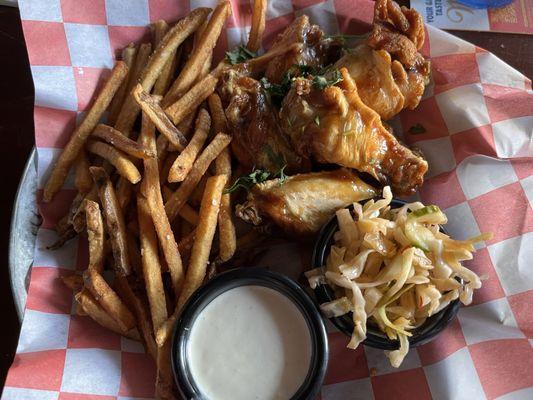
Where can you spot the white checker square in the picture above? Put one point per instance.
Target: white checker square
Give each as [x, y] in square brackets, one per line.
[455, 378]
[480, 174]
[91, 371]
[278, 8]
[55, 87]
[514, 137]
[127, 12]
[322, 14]
[64, 257]
[131, 346]
[203, 3]
[89, 45]
[237, 36]
[439, 155]
[43, 331]
[489, 321]
[38, 10]
[463, 108]
[461, 222]
[494, 71]
[14, 393]
[527, 185]
[512, 261]
[360, 389]
[522, 394]
[46, 157]
[377, 360]
[443, 43]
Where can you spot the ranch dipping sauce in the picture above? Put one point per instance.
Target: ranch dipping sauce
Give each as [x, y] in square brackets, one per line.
[249, 343]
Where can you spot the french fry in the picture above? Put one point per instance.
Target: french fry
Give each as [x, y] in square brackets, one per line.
[203, 50]
[162, 83]
[159, 29]
[151, 266]
[159, 118]
[73, 281]
[205, 232]
[134, 253]
[117, 158]
[108, 299]
[164, 167]
[164, 378]
[258, 64]
[121, 142]
[185, 244]
[128, 56]
[95, 233]
[114, 220]
[82, 132]
[82, 178]
[123, 192]
[189, 214]
[183, 163]
[258, 25]
[180, 196]
[152, 191]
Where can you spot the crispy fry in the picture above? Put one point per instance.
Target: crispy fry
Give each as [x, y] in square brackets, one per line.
[121, 142]
[159, 29]
[189, 214]
[183, 163]
[205, 232]
[82, 179]
[161, 85]
[117, 158]
[129, 54]
[180, 196]
[159, 118]
[95, 233]
[185, 244]
[205, 46]
[164, 167]
[124, 191]
[258, 64]
[73, 281]
[82, 132]
[164, 378]
[114, 220]
[152, 191]
[108, 299]
[134, 253]
[258, 25]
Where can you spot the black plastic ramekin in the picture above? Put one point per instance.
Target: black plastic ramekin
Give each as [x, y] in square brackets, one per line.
[241, 277]
[375, 337]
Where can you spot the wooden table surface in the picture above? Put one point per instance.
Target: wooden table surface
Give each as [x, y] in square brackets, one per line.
[17, 136]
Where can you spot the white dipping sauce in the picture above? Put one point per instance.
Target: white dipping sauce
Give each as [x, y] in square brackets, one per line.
[250, 342]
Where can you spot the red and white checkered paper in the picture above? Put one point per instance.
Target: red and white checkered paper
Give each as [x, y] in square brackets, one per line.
[478, 113]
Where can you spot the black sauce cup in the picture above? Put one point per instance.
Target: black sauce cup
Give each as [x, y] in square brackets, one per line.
[375, 337]
[242, 277]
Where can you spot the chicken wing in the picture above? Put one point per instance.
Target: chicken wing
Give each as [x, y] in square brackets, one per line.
[335, 126]
[303, 203]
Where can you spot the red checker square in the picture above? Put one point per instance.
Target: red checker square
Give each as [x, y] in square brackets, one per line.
[89, 82]
[473, 141]
[491, 288]
[523, 168]
[299, 4]
[78, 396]
[84, 333]
[53, 126]
[448, 342]
[46, 35]
[443, 190]
[47, 293]
[428, 115]
[404, 385]
[122, 36]
[515, 218]
[349, 364]
[521, 306]
[138, 375]
[169, 10]
[506, 103]
[37, 370]
[241, 14]
[84, 11]
[503, 366]
[56, 209]
[455, 70]
[82, 261]
[353, 20]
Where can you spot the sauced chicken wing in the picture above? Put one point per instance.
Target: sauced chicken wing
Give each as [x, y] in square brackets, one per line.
[335, 126]
[304, 202]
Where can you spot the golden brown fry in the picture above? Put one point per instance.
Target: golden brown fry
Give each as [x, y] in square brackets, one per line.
[258, 64]
[205, 232]
[164, 168]
[82, 179]
[205, 46]
[82, 132]
[151, 266]
[73, 281]
[123, 192]
[152, 191]
[108, 299]
[185, 244]
[95, 233]
[183, 163]
[220, 122]
[189, 214]
[128, 56]
[180, 196]
[258, 25]
[159, 118]
[164, 378]
[161, 85]
[159, 29]
[121, 142]
[134, 253]
[117, 158]
[114, 220]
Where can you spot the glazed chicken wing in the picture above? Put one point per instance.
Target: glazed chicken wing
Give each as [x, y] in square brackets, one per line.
[304, 202]
[335, 126]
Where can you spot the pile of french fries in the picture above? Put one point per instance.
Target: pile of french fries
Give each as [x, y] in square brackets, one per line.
[139, 188]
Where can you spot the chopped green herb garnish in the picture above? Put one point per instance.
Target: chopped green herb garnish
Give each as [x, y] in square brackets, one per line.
[329, 78]
[417, 129]
[247, 181]
[239, 54]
